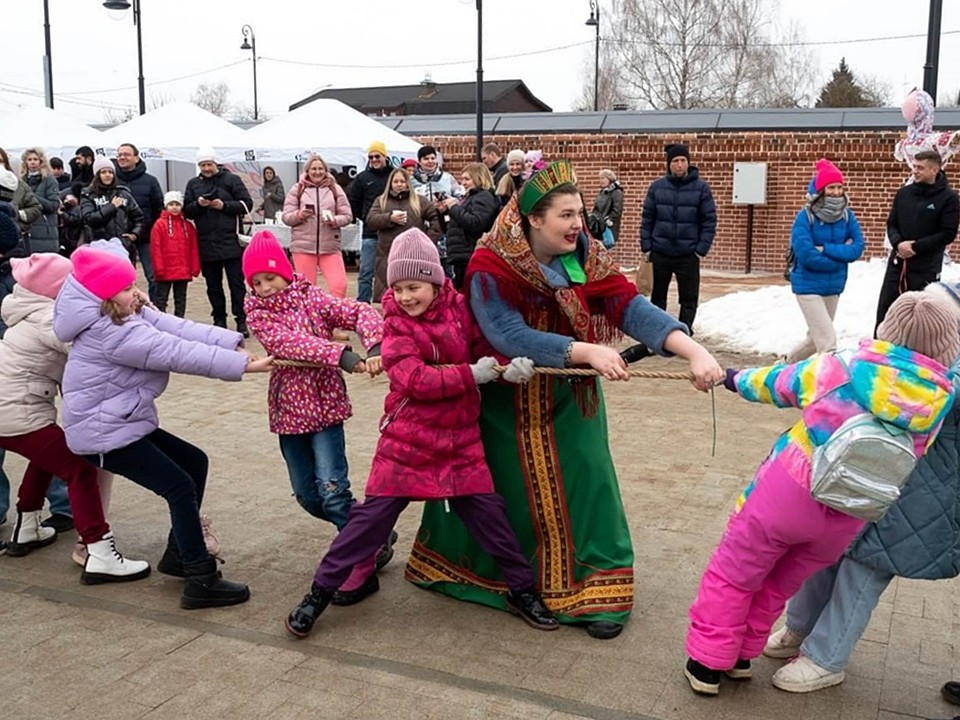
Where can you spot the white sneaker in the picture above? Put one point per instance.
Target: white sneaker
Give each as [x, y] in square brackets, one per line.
[105, 564]
[783, 644]
[803, 675]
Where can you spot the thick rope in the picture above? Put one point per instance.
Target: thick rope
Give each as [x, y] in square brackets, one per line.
[566, 372]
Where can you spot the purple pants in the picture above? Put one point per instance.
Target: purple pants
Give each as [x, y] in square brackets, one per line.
[370, 523]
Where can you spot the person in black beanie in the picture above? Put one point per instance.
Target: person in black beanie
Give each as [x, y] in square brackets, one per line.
[677, 228]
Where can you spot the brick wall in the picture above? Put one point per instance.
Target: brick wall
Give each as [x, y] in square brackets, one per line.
[865, 158]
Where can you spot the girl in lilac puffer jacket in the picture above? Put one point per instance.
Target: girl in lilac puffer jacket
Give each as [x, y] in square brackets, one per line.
[119, 363]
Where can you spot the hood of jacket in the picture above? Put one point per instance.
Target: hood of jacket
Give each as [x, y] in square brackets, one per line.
[21, 304]
[75, 310]
[133, 173]
[900, 386]
[934, 188]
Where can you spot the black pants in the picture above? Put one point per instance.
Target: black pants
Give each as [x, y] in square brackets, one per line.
[213, 274]
[179, 296]
[898, 279]
[176, 471]
[687, 270]
[459, 272]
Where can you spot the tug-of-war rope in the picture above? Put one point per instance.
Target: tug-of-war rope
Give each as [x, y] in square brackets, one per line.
[573, 372]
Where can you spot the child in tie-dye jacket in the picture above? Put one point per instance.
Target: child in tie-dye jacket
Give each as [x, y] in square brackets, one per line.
[778, 535]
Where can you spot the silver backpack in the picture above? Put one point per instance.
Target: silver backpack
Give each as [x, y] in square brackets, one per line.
[861, 467]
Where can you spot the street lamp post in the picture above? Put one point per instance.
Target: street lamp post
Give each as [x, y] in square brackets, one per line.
[125, 5]
[47, 58]
[594, 22]
[479, 78]
[250, 43]
[930, 68]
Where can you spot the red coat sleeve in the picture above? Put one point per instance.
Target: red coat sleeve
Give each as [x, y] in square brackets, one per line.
[156, 248]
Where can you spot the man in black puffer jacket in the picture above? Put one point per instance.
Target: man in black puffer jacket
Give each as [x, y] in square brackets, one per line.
[922, 222]
[216, 200]
[132, 172]
[677, 228]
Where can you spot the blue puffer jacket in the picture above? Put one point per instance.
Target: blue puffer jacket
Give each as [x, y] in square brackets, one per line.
[679, 216]
[919, 537]
[823, 253]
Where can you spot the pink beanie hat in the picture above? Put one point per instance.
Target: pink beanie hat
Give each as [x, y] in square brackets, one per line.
[413, 256]
[42, 273]
[265, 254]
[827, 173]
[102, 273]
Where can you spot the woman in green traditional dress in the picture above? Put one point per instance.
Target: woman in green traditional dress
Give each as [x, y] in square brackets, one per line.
[540, 288]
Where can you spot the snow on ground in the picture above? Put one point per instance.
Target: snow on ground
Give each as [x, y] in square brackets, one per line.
[768, 320]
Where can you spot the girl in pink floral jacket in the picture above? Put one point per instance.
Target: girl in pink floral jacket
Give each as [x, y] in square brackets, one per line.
[294, 320]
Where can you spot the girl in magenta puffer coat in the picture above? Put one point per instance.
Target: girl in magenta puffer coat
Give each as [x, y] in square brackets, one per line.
[429, 446]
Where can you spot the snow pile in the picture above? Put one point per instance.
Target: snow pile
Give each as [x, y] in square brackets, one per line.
[768, 320]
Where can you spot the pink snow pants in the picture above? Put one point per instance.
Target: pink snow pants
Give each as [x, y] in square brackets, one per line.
[330, 266]
[779, 538]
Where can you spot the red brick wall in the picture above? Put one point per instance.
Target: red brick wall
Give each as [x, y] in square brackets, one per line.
[865, 158]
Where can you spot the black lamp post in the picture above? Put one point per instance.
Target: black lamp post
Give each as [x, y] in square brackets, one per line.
[594, 22]
[124, 5]
[250, 43]
[479, 78]
[930, 67]
[47, 58]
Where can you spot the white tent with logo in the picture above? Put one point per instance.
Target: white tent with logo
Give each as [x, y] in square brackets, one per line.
[173, 132]
[58, 134]
[327, 127]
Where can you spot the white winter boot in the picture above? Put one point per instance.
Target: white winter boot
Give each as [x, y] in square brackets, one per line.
[783, 644]
[29, 534]
[105, 564]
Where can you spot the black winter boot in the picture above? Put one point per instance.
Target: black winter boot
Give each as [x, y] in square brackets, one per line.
[170, 563]
[301, 619]
[385, 554]
[530, 607]
[206, 588]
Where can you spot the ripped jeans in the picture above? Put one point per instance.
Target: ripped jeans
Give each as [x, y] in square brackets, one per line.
[317, 463]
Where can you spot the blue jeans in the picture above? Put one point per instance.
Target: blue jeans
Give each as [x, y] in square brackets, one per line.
[368, 262]
[143, 252]
[317, 463]
[832, 610]
[56, 494]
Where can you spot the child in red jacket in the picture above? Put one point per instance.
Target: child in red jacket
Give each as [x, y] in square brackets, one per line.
[429, 447]
[175, 254]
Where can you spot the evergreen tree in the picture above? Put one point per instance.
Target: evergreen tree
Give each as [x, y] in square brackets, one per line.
[844, 90]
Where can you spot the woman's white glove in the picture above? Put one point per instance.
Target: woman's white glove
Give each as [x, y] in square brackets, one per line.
[484, 370]
[519, 371]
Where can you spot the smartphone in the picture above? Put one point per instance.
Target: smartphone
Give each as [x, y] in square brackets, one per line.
[311, 207]
[212, 195]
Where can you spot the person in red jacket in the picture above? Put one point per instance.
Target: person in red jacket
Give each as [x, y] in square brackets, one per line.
[175, 254]
[429, 447]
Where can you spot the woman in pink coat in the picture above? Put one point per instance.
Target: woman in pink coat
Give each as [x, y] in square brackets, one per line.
[316, 208]
[429, 446]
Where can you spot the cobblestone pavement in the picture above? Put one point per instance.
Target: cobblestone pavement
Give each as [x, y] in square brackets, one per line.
[129, 651]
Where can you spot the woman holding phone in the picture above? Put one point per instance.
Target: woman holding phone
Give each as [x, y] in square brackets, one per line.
[316, 208]
[397, 210]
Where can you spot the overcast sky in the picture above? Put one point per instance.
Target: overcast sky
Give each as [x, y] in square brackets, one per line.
[304, 46]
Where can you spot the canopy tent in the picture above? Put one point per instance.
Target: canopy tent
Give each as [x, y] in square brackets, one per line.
[42, 127]
[173, 132]
[329, 128]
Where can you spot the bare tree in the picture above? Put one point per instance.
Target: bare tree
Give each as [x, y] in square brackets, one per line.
[117, 116]
[214, 98]
[244, 112]
[706, 53]
[949, 99]
[160, 98]
[610, 95]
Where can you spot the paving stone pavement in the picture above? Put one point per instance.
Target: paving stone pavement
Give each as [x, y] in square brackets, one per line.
[129, 651]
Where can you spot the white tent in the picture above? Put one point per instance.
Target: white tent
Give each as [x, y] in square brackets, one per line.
[329, 128]
[173, 132]
[42, 127]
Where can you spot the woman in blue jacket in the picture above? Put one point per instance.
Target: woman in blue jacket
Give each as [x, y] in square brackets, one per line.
[825, 239]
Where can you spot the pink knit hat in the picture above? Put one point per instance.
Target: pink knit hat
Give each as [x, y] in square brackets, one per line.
[265, 254]
[924, 324]
[827, 173]
[413, 256]
[42, 273]
[101, 272]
